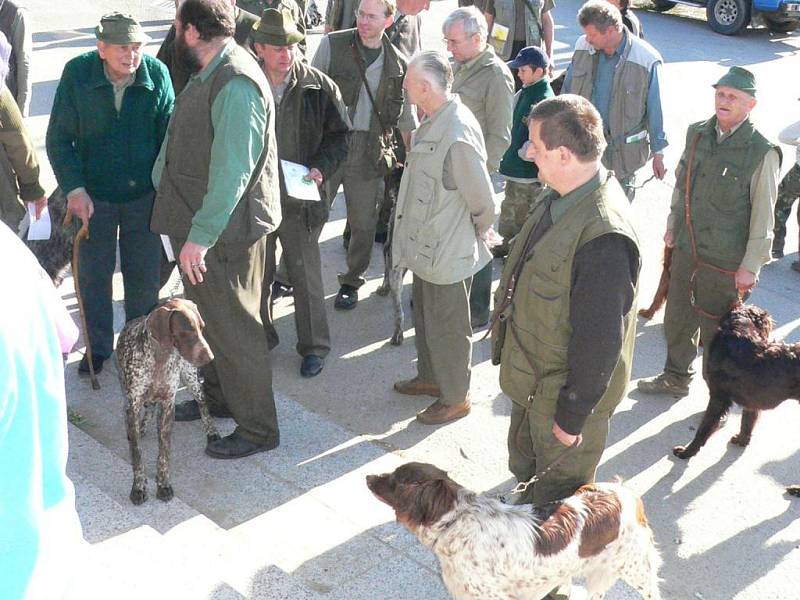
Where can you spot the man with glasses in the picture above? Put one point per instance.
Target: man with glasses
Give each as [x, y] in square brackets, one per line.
[485, 85]
[369, 72]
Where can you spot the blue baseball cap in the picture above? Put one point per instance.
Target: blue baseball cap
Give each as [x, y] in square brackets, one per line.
[532, 56]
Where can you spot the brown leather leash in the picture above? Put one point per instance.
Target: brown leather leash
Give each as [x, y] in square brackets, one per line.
[83, 232]
[700, 264]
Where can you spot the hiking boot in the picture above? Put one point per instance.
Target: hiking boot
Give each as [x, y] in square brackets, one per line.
[415, 387]
[347, 298]
[438, 413]
[663, 384]
[97, 364]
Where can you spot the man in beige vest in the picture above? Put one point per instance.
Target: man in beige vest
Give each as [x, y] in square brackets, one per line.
[733, 187]
[484, 85]
[444, 210]
[565, 320]
[620, 74]
[218, 198]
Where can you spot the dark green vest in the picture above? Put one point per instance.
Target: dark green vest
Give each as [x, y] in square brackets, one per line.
[720, 192]
[539, 312]
[184, 181]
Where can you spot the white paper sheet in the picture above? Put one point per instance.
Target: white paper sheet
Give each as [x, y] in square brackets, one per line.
[170, 253]
[296, 185]
[39, 229]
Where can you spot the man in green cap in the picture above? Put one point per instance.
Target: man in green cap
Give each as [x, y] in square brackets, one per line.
[724, 239]
[217, 201]
[311, 130]
[109, 118]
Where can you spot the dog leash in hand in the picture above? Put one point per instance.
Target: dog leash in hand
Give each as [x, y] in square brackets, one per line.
[524, 485]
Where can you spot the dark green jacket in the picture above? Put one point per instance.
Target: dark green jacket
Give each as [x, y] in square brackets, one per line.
[511, 164]
[91, 146]
[311, 131]
[720, 191]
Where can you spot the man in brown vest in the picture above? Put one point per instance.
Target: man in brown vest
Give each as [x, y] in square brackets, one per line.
[733, 180]
[369, 71]
[218, 198]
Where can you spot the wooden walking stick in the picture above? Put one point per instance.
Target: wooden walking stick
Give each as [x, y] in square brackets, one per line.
[82, 233]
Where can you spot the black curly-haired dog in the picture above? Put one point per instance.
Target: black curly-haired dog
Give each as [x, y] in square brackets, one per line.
[745, 367]
[55, 254]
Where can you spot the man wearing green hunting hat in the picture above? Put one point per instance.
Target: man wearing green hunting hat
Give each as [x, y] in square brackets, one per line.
[731, 188]
[311, 130]
[109, 118]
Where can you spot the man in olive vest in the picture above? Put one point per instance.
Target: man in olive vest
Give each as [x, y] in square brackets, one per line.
[440, 240]
[733, 175]
[620, 73]
[515, 24]
[484, 85]
[218, 198]
[355, 58]
[564, 325]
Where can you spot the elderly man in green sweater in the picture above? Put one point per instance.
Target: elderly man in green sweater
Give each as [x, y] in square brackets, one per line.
[109, 117]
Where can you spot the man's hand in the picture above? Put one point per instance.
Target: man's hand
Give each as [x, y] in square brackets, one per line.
[327, 29]
[745, 280]
[314, 175]
[192, 262]
[39, 204]
[669, 242]
[659, 170]
[566, 438]
[80, 205]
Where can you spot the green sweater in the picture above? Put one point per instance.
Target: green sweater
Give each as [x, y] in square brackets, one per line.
[90, 145]
[512, 165]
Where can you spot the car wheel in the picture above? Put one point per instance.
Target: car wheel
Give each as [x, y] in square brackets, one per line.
[778, 26]
[663, 5]
[728, 17]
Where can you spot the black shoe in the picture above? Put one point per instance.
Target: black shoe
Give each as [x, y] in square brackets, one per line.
[97, 363]
[380, 237]
[190, 411]
[312, 365]
[279, 290]
[235, 446]
[347, 298]
[777, 252]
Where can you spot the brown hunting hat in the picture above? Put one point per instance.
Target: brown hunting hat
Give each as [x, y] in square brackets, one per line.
[118, 28]
[276, 28]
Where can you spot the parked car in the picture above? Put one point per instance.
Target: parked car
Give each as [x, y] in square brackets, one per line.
[729, 17]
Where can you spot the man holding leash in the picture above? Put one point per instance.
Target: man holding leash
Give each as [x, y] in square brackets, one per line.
[720, 225]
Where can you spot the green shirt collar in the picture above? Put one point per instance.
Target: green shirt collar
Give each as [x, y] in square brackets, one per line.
[561, 204]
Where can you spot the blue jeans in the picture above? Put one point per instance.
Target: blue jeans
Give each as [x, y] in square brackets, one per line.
[140, 260]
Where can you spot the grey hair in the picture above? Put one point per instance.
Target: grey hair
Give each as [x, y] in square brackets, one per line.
[473, 19]
[601, 15]
[435, 67]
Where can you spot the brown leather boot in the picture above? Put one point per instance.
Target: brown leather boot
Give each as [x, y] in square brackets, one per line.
[415, 387]
[438, 413]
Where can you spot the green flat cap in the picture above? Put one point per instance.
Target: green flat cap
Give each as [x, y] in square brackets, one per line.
[276, 28]
[740, 79]
[118, 28]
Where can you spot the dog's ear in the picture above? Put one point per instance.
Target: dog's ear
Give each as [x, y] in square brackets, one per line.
[159, 325]
[190, 307]
[431, 501]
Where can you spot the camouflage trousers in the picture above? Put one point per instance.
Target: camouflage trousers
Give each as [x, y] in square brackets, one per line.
[788, 192]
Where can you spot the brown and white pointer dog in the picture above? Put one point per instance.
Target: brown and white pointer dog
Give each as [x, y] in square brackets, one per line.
[154, 353]
[493, 551]
[745, 367]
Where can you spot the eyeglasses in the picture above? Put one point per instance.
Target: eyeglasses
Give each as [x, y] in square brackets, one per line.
[368, 17]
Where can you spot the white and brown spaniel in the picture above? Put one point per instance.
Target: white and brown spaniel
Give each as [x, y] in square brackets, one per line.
[493, 551]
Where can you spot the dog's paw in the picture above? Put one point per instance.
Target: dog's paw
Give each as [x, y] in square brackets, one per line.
[165, 493]
[138, 495]
[681, 452]
[740, 440]
[383, 290]
[397, 338]
[213, 437]
[794, 490]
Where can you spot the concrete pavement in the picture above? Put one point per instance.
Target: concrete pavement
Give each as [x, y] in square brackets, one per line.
[299, 522]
